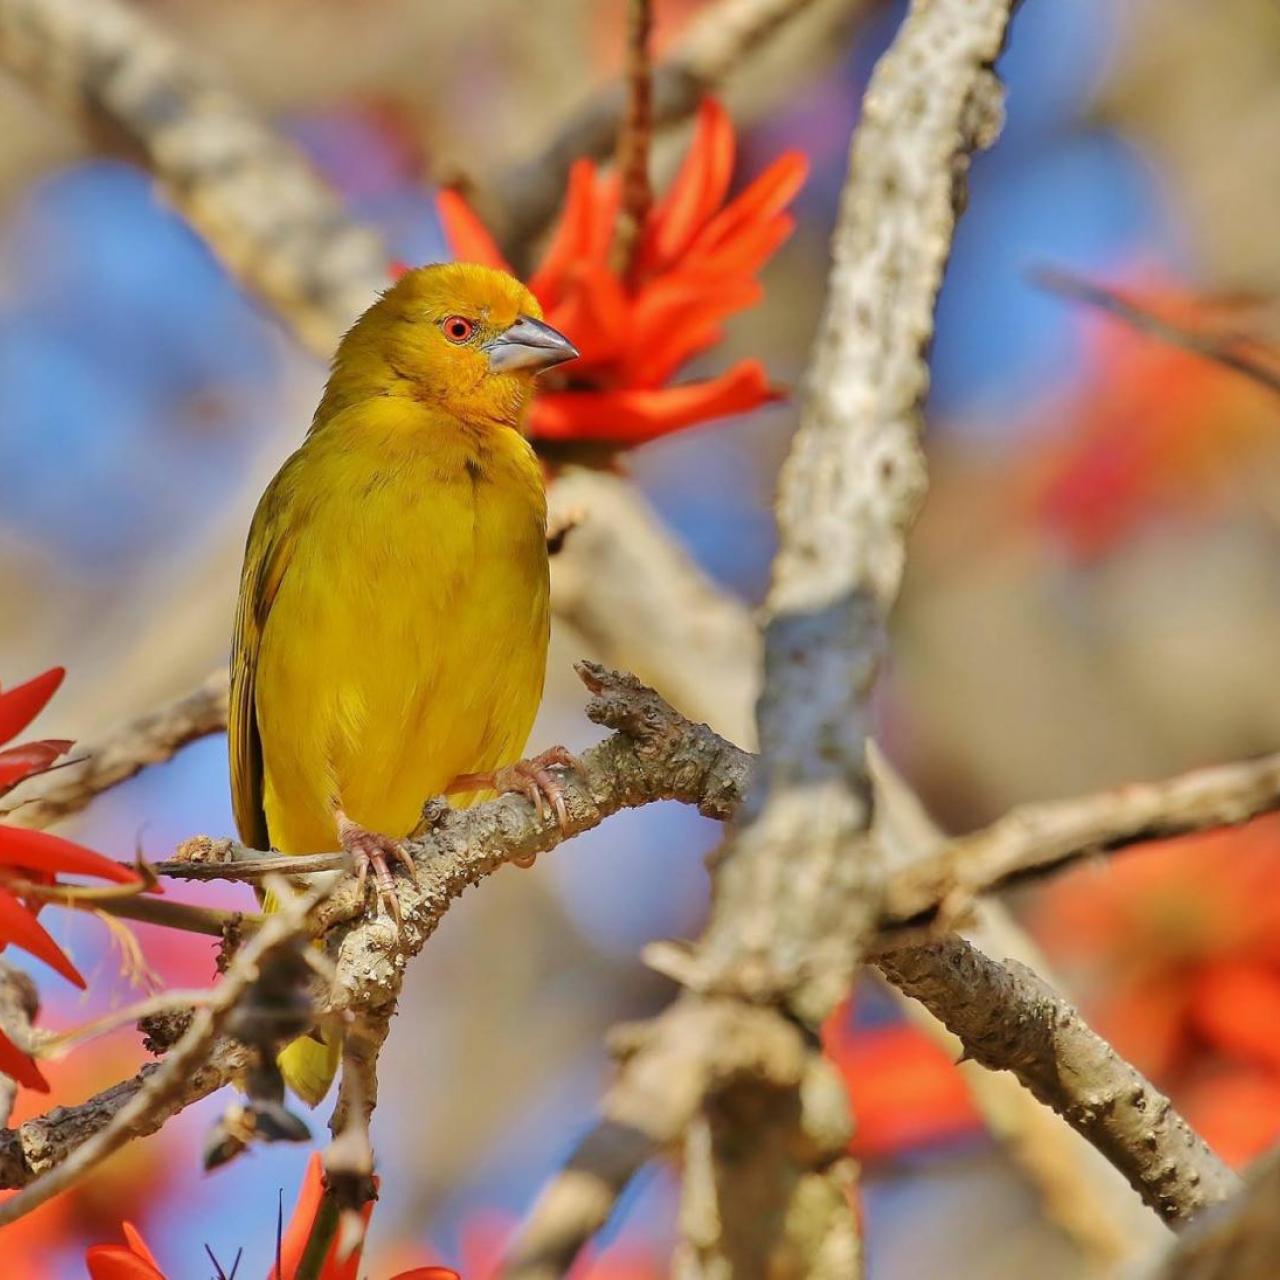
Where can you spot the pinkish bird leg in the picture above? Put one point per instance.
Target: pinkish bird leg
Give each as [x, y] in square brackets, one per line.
[372, 851]
[530, 778]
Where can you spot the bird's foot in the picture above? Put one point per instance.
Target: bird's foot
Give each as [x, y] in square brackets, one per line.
[530, 778]
[375, 852]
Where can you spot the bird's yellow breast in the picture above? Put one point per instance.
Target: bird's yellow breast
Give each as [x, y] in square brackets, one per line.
[406, 642]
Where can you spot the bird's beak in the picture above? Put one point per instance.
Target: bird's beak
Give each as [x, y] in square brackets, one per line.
[529, 344]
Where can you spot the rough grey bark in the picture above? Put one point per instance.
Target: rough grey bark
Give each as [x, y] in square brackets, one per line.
[1009, 1019]
[241, 185]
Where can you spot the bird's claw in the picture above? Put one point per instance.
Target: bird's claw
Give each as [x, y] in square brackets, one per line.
[530, 778]
[374, 852]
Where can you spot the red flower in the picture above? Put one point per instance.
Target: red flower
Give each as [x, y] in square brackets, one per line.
[134, 1261]
[34, 856]
[695, 266]
[906, 1091]
[1155, 427]
[18, 708]
[1182, 941]
[129, 1261]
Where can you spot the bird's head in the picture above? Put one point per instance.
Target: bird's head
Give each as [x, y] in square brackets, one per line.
[464, 338]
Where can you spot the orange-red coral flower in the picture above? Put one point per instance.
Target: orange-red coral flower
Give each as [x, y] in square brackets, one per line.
[19, 706]
[695, 265]
[34, 856]
[129, 1261]
[1155, 427]
[905, 1089]
[134, 1261]
[1182, 939]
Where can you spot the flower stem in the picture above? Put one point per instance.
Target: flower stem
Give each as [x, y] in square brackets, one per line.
[633, 141]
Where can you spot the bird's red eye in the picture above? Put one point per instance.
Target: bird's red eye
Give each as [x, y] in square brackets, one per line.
[458, 328]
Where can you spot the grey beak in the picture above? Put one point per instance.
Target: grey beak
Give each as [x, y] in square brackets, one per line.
[529, 344]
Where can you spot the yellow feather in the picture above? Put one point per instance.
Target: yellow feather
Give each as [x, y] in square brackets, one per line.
[393, 620]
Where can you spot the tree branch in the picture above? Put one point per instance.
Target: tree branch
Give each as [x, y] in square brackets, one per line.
[239, 183]
[175, 1081]
[1009, 1019]
[1036, 838]
[150, 739]
[717, 43]
[1238, 1240]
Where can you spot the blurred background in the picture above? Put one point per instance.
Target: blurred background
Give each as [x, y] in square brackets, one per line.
[1093, 593]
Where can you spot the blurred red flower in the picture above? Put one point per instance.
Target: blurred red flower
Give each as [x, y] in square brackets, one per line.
[34, 856]
[695, 266]
[1180, 939]
[1154, 426]
[134, 1261]
[906, 1091]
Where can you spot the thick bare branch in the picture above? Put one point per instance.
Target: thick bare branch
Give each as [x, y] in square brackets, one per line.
[253, 196]
[1238, 1240]
[1009, 1019]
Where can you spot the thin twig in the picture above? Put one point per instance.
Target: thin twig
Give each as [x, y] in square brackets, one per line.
[1036, 838]
[719, 43]
[635, 194]
[1227, 351]
[149, 739]
[169, 1082]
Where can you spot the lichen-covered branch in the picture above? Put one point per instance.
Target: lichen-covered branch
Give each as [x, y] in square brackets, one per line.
[1009, 1019]
[250, 193]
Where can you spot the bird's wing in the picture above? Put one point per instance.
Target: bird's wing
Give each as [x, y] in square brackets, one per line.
[266, 560]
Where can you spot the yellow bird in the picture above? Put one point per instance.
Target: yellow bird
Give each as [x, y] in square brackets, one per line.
[391, 634]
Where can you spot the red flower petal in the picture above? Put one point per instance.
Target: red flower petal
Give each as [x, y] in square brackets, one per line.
[298, 1232]
[115, 1262]
[1236, 1006]
[31, 757]
[129, 1261]
[427, 1273]
[631, 416]
[676, 318]
[907, 1090]
[697, 191]
[1238, 1111]
[45, 854]
[19, 926]
[761, 201]
[592, 314]
[20, 705]
[575, 237]
[467, 235]
[20, 1067]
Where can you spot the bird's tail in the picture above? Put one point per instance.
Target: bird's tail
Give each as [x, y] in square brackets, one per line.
[308, 1064]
